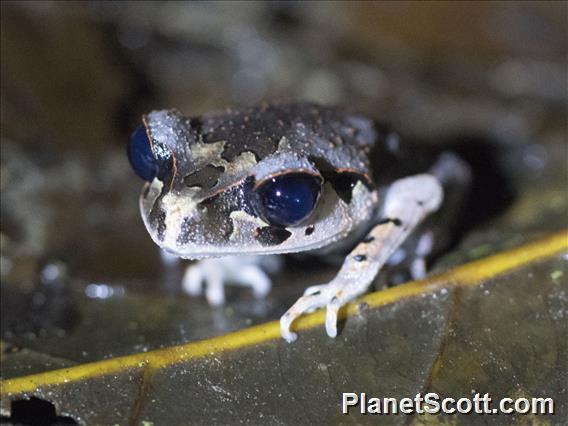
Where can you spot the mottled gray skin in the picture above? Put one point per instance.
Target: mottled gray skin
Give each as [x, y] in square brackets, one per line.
[201, 207]
[374, 198]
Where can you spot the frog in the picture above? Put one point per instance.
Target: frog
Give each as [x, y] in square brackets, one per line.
[237, 188]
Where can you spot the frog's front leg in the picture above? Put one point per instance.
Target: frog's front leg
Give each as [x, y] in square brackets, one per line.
[408, 201]
[215, 273]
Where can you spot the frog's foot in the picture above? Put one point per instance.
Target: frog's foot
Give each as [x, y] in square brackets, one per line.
[408, 201]
[423, 249]
[333, 296]
[314, 291]
[213, 274]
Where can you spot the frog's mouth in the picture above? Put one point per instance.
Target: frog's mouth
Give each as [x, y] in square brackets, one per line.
[179, 224]
[202, 252]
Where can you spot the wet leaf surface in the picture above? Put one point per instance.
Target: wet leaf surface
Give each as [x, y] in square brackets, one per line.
[18, 361]
[496, 326]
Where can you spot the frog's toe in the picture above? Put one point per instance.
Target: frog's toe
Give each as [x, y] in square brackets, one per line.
[333, 296]
[331, 316]
[215, 289]
[204, 274]
[254, 277]
[315, 297]
[304, 304]
[285, 322]
[418, 268]
[214, 274]
[192, 282]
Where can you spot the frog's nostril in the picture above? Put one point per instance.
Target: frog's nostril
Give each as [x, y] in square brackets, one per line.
[140, 155]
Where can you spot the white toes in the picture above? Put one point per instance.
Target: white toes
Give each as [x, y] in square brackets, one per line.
[215, 290]
[193, 280]
[254, 277]
[315, 297]
[214, 274]
[331, 317]
[285, 323]
[303, 305]
[418, 268]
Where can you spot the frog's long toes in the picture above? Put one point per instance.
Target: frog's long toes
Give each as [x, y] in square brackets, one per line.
[418, 268]
[254, 277]
[215, 273]
[192, 282]
[317, 297]
[285, 322]
[205, 275]
[331, 317]
[215, 291]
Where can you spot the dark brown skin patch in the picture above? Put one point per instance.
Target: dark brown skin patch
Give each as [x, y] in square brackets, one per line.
[205, 178]
[308, 127]
[271, 235]
[343, 184]
[347, 142]
[196, 230]
[216, 224]
[310, 230]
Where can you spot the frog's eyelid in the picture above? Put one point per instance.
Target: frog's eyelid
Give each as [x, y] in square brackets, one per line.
[364, 177]
[328, 170]
[258, 183]
[252, 185]
[255, 184]
[269, 177]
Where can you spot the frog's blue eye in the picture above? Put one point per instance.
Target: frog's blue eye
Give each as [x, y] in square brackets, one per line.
[140, 155]
[288, 199]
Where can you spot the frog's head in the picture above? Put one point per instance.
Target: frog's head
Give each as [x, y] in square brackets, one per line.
[263, 180]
